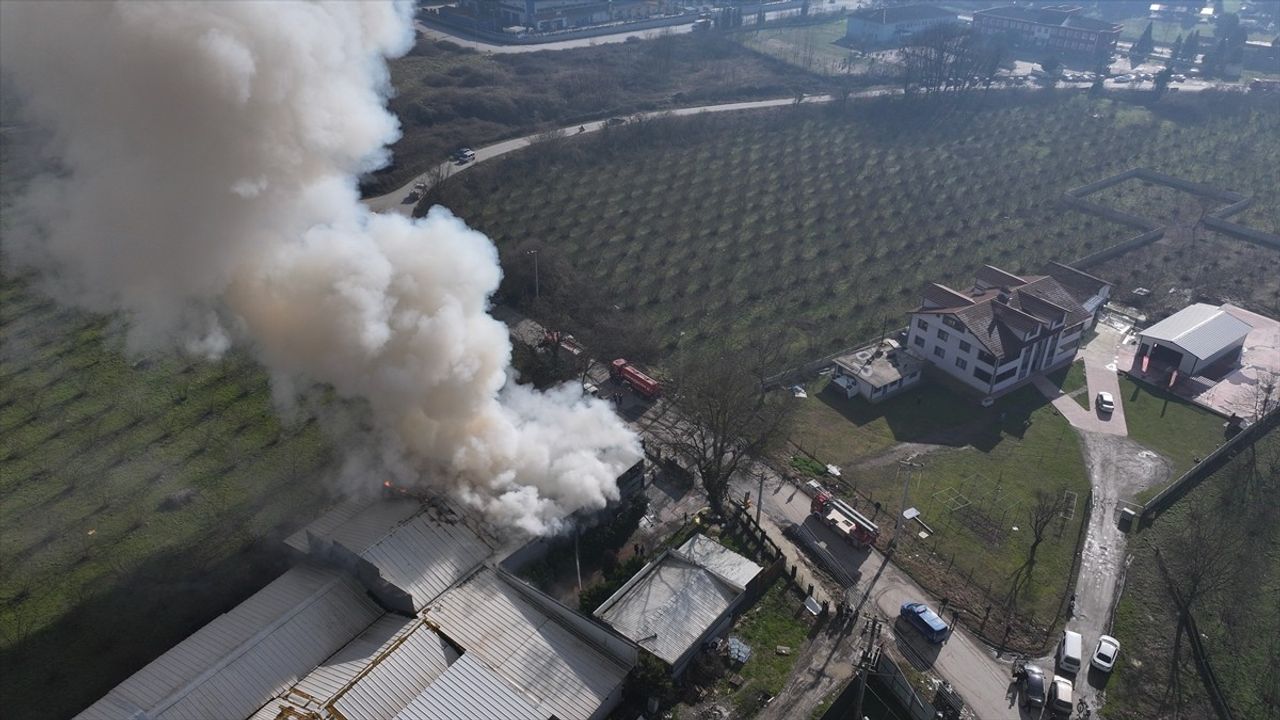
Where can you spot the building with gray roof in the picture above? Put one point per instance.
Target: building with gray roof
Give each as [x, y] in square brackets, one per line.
[1193, 340]
[681, 599]
[408, 620]
[261, 647]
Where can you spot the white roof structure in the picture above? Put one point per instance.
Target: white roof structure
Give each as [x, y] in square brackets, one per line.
[259, 648]
[673, 600]
[419, 548]
[1200, 329]
[555, 665]
[470, 690]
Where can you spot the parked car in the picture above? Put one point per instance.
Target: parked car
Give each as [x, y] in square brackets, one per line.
[1104, 657]
[463, 155]
[1060, 698]
[1070, 648]
[1033, 687]
[591, 389]
[811, 488]
[1106, 403]
[615, 121]
[919, 616]
[1122, 79]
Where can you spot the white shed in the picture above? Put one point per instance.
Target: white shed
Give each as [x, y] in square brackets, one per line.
[1193, 339]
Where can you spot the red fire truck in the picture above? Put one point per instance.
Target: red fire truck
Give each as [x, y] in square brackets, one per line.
[627, 374]
[841, 517]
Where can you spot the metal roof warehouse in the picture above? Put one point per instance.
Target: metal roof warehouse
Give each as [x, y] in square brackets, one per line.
[463, 639]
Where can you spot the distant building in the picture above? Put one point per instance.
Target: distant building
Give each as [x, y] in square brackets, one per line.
[1007, 327]
[877, 371]
[1192, 341]
[1059, 27]
[548, 15]
[681, 599]
[885, 25]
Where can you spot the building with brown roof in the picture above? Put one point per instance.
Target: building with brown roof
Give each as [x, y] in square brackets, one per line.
[1006, 327]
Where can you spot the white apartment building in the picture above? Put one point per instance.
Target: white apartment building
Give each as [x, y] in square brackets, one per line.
[1007, 327]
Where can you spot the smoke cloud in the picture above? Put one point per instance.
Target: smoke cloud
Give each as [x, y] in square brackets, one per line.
[210, 154]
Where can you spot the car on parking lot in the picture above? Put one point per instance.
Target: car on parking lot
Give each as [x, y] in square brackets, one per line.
[1104, 657]
[1106, 403]
[919, 616]
[1033, 687]
[1060, 698]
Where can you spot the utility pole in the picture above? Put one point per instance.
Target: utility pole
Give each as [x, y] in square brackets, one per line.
[760, 497]
[536, 293]
[868, 663]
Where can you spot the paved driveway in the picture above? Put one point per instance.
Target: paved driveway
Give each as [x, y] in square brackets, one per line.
[1100, 373]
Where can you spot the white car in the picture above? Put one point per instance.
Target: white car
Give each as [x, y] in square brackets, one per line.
[1060, 701]
[1106, 403]
[1104, 658]
[1122, 79]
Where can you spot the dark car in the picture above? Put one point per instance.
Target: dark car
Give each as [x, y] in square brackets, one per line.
[926, 621]
[1033, 687]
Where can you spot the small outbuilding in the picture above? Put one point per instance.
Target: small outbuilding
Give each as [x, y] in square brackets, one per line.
[682, 599]
[1193, 340]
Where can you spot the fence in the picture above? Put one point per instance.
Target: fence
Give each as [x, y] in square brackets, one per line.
[1207, 466]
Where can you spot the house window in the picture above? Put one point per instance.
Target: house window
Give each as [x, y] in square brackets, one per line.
[965, 347]
[987, 357]
[982, 375]
[1006, 375]
[962, 363]
[940, 352]
[919, 341]
[952, 322]
[943, 335]
[922, 324]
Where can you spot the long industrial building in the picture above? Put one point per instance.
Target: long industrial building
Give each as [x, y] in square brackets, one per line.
[396, 609]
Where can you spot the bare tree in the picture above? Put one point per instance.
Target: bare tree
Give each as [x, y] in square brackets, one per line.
[728, 417]
[1040, 514]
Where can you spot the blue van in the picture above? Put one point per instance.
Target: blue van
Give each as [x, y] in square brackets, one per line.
[926, 621]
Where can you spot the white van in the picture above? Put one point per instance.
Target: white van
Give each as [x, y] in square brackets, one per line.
[1070, 650]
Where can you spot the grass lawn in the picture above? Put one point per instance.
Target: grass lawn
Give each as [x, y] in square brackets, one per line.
[995, 459]
[794, 222]
[776, 619]
[1239, 617]
[1070, 379]
[138, 499]
[839, 431]
[1169, 425]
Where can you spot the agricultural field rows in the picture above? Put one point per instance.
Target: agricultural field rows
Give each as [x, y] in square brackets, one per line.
[824, 223]
[139, 498]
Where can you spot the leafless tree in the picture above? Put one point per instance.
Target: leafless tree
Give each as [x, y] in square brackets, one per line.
[1047, 507]
[728, 417]
[949, 59]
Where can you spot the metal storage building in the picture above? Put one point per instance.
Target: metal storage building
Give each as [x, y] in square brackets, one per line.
[681, 599]
[1192, 339]
[262, 646]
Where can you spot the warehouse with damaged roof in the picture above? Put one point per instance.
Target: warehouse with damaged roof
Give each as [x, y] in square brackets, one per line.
[395, 610]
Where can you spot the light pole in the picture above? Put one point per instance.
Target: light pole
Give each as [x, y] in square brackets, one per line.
[536, 293]
[910, 467]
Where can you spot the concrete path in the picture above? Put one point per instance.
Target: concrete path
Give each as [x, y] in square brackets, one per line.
[1099, 358]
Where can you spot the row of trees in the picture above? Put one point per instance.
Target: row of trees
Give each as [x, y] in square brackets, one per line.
[951, 59]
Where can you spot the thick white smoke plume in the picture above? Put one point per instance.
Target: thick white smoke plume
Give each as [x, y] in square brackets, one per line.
[209, 193]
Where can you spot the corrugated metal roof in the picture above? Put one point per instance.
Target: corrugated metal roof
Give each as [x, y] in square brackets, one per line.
[667, 606]
[1199, 329]
[491, 619]
[231, 666]
[720, 560]
[420, 659]
[419, 547]
[469, 690]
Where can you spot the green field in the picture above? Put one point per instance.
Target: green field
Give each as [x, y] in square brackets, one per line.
[139, 498]
[995, 459]
[1171, 426]
[1224, 534]
[797, 221]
